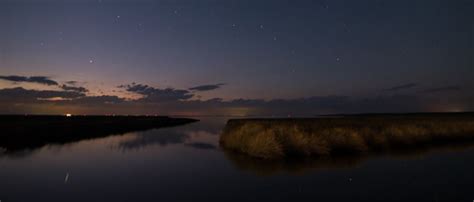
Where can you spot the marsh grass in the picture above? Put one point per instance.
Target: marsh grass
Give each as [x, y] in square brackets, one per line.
[277, 138]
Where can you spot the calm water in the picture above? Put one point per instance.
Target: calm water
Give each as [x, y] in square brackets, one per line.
[186, 164]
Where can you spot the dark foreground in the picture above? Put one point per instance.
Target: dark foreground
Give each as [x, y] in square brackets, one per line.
[29, 132]
[355, 134]
[185, 163]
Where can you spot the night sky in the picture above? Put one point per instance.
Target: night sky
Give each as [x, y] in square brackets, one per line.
[235, 57]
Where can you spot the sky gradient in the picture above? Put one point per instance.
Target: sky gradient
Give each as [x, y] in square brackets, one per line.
[232, 57]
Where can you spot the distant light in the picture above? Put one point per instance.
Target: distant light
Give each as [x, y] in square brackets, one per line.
[68, 115]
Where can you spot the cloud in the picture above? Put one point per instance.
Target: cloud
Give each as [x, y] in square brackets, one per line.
[72, 82]
[74, 88]
[96, 100]
[68, 86]
[207, 87]
[33, 79]
[170, 101]
[402, 87]
[152, 94]
[442, 89]
[310, 106]
[19, 95]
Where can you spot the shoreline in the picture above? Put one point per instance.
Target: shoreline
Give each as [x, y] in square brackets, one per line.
[29, 132]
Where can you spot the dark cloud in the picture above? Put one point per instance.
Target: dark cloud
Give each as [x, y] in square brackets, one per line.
[96, 100]
[171, 101]
[68, 86]
[19, 95]
[442, 89]
[33, 79]
[401, 87]
[207, 87]
[310, 106]
[152, 94]
[72, 82]
[74, 88]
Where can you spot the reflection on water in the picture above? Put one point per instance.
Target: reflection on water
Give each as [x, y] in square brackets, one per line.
[201, 145]
[185, 163]
[22, 133]
[292, 166]
[154, 137]
[194, 136]
[164, 137]
[305, 165]
[130, 140]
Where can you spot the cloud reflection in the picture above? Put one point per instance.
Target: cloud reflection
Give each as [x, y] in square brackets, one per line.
[153, 137]
[201, 145]
[192, 136]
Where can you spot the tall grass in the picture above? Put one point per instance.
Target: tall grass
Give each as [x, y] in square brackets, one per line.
[277, 138]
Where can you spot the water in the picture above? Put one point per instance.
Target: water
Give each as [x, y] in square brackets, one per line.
[185, 163]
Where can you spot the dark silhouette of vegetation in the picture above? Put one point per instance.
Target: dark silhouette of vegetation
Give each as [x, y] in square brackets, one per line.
[355, 134]
[29, 132]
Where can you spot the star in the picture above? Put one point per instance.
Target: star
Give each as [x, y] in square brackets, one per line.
[338, 59]
[91, 61]
[261, 27]
[346, 27]
[274, 38]
[66, 178]
[118, 16]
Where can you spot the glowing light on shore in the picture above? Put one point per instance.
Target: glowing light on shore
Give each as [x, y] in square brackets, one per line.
[68, 115]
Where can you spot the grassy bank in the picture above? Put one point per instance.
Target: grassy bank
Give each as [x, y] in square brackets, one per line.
[278, 138]
[29, 132]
